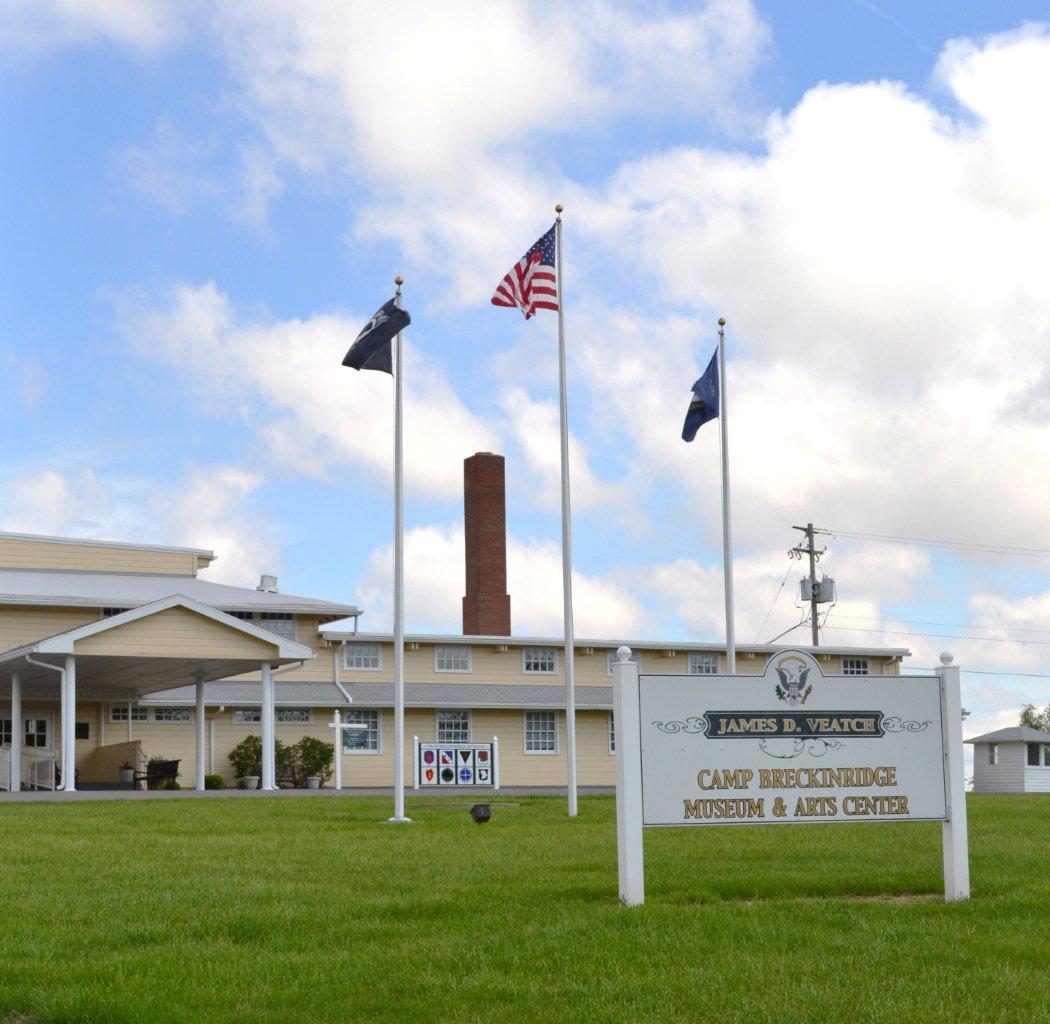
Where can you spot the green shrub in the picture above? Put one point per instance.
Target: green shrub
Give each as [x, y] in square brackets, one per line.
[246, 757]
[214, 782]
[314, 757]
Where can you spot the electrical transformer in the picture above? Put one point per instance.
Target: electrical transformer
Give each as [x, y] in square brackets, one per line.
[823, 591]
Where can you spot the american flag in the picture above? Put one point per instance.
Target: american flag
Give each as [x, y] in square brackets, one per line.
[532, 283]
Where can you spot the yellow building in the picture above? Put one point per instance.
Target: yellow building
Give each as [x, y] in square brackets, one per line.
[116, 653]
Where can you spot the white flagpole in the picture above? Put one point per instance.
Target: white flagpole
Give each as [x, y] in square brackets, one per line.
[399, 583]
[727, 522]
[566, 531]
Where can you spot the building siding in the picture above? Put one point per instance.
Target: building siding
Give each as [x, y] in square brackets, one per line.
[26, 553]
[1008, 776]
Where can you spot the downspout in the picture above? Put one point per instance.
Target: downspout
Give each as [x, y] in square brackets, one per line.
[338, 657]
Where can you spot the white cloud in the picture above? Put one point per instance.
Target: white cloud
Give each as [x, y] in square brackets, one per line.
[285, 378]
[208, 507]
[434, 587]
[142, 25]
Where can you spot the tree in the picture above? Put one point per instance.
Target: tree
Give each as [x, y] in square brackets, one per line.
[1036, 719]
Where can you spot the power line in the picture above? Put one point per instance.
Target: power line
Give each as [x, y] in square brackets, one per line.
[776, 598]
[1001, 549]
[990, 672]
[950, 625]
[945, 636]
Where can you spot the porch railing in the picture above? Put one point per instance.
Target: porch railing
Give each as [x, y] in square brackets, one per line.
[39, 768]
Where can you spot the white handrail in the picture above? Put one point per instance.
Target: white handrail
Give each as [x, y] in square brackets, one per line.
[38, 768]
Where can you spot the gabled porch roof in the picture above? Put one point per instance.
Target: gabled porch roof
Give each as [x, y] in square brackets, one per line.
[157, 646]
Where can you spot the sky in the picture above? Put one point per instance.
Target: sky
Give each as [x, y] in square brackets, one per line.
[201, 204]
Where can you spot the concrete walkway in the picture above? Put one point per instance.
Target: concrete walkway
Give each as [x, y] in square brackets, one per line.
[478, 793]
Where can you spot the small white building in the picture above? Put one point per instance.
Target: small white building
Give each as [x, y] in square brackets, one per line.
[1014, 760]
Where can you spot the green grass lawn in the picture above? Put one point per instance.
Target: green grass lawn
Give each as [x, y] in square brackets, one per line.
[311, 910]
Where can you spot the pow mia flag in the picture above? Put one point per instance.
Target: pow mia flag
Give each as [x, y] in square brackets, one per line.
[704, 404]
[371, 348]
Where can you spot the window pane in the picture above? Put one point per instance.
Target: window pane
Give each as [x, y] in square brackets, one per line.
[247, 717]
[171, 714]
[541, 732]
[365, 656]
[294, 716]
[243, 616]
[361, 739]
[5, 730]
[452, 659]
[993, 753]
[1033, 755]
[855, 666]
[542, 660]
[453, 727]
[704, 664]
[281, 623]
[612, 734]
[119, 713]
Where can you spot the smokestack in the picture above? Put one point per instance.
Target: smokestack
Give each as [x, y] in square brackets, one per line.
[486, 607]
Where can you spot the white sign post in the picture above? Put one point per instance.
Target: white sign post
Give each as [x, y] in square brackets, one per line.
[789, 746]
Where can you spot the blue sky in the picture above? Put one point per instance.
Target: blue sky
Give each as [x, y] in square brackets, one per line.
[202, 202]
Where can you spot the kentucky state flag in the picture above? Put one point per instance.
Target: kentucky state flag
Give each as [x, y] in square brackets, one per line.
[371, 348]
[704, 405]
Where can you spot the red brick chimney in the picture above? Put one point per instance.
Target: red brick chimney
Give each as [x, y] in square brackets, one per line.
[486, 607]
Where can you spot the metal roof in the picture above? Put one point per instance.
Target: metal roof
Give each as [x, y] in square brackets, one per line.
[80, 589]
[339, 634]
[381, 695]
[1013, 734]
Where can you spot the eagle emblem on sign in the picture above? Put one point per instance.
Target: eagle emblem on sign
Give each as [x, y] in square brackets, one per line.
[792, 688]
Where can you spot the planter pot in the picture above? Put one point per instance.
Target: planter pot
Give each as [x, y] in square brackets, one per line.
[313, 782]
[126, 774]
[251, 781]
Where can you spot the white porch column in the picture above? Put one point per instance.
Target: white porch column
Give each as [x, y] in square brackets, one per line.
[69, 718]
[269, 768]
[199, 724]
[17, 732]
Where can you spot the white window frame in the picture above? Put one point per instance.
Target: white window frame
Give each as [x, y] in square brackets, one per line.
[247, 716]
[708, 658]
[525, 735]
[856, 666]
[350, 716]
[993, 753]
[612, 734]
[610, 660]
[281, 716]
[181, 716]
[439, 648]
[356, 645]
[453, 711]
[525, 670]
[288, 618]
[118, 714]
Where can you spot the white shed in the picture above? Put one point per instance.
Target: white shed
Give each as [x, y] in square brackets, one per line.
[1015, 760]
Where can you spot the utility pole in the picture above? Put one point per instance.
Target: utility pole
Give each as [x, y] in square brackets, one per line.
[814, 556]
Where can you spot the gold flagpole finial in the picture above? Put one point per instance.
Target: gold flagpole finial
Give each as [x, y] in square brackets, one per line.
[558, 208]
[399, 280]
[721, 321]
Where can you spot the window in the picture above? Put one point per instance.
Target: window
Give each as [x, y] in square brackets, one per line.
[539, 661]
[107, 612]
[247, 716]
[855, 667]
[1033, 755]
[281, 623]
[119, 713]
[36, 733]
[452, 659]
[363, 656]
[612, 734]
[453, 727]
[1046, 755]
[295, 716]
[610, 660]
[703, 664]
[171, 714]
[993, 753]
[361, 741]
[82, 730]
[541, 732]
[243, 616]
[5, 731]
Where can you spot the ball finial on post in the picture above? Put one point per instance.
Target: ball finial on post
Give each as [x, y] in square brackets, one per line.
[558, 207]
[721, 321]
[399, 280]
[947, 658]
[623, 654]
